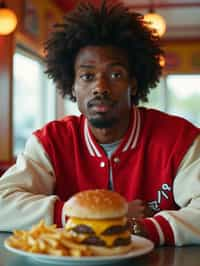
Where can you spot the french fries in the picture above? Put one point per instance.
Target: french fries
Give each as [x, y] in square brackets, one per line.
[47, 239]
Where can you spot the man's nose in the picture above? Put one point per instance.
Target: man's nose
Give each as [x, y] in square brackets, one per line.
[101, 86]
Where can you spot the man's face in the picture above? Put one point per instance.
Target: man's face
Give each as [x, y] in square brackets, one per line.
[103, 86]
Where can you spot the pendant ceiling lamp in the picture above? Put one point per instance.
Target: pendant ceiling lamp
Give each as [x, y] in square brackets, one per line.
[8, 20]
[155, 21]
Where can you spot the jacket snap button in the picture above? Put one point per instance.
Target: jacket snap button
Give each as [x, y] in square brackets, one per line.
[102, 164]
[116, 160]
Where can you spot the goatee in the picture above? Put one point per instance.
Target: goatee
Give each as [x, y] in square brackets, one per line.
[102, 123]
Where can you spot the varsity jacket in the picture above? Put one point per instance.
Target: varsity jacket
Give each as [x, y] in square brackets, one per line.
[146, 166]
[143, 166]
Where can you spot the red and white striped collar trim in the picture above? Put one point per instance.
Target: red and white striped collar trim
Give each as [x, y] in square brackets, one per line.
[131, 141]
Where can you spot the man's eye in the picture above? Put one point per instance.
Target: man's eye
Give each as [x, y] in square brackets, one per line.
[115, 75]
[87, 77]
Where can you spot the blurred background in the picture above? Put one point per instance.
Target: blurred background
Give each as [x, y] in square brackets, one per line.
[28, 98]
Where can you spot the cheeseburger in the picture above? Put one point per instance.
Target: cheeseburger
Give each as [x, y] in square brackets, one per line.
[98, 218]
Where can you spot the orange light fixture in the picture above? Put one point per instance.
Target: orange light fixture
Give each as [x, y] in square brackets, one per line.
[8, 20]
[156, 22]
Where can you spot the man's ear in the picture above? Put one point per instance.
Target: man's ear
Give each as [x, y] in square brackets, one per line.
[133, 85]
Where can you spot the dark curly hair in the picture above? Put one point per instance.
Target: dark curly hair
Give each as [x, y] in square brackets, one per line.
[111, 24]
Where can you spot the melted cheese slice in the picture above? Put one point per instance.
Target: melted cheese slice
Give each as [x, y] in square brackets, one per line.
[99, 226]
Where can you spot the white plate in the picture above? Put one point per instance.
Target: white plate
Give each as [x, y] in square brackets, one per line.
[141, 246]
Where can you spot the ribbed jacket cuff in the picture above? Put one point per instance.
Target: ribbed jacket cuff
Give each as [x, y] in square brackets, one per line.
[58, 213]
[159, 230]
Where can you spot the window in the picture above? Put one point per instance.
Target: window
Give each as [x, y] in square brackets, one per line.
[184, 96]
[71, 108]
[33, 98]
[156, 97]
[178, 95]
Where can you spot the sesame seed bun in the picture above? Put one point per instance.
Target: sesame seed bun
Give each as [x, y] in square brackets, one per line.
[96, 204]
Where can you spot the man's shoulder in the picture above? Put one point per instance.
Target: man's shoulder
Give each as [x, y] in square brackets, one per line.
[65, 125]
[160, 127]
[69, 120]
[160, 118]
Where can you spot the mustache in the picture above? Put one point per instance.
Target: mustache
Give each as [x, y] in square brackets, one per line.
[98, 100]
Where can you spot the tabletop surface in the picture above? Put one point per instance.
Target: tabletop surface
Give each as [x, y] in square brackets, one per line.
[162, 256]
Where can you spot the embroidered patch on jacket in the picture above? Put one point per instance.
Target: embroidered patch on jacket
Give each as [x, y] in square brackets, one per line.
[162, 193]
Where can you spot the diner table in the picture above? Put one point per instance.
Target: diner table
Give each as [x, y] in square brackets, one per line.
[160, 256]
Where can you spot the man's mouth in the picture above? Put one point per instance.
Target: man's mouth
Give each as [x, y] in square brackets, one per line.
[100, 106]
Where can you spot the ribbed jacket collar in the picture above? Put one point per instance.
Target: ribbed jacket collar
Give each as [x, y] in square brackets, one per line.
[130, 139]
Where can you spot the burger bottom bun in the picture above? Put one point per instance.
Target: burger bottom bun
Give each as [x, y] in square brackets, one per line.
[105, 251]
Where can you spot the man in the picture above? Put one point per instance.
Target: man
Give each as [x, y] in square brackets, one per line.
[106, 59]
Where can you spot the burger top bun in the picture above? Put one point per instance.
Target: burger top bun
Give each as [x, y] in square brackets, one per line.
[96, 204]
